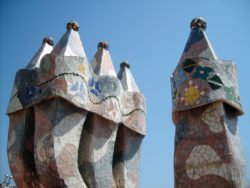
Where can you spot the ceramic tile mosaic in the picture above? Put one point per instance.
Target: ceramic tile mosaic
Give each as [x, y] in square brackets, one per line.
[206, 106]
[66, 116]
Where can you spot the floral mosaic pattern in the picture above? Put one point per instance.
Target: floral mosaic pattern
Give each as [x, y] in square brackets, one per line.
[192, 94]
[95, 87]
[211, 76]
[202, 72]
[215, 82]
[82, 68]
[189, 65]
[230, 93]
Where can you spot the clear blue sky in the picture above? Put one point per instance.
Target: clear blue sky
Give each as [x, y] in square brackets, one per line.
[151, 35]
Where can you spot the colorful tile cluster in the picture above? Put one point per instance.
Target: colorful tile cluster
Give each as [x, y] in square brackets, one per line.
[206, 106]
[75, 124]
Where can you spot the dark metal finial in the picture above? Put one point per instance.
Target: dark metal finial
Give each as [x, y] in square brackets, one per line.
[72, 25]
[103, 44]
[198, 23]
[48, 40]
[125, 64]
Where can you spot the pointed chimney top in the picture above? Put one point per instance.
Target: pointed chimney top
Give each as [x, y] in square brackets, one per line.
[198, 22]
[103, 44]
[102, 63]
[126, 78]
[72, 25]
[70, 44]
[48, 40]
[46, 48]
[198, 44]
[125, 64]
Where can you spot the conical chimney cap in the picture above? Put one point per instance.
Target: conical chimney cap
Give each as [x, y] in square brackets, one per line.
[46, 48]
[126, 78]
[70, 44]
[102, 63]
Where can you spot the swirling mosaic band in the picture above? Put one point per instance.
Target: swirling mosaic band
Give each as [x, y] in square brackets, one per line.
[73, 79]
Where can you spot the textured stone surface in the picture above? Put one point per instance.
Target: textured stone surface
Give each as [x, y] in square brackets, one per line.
[57, 137]
[206, 107]
[20, 148]
[202, 154]
[96, 151]
[126, 160]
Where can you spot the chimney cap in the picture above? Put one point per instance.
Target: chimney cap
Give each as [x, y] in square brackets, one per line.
[48, 40]
[103, 44]
[198, 22]
[125, 64]
[72, 25]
